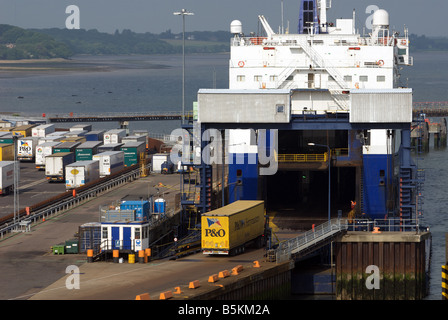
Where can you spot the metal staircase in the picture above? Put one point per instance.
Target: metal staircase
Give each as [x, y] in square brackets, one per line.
[336, 91]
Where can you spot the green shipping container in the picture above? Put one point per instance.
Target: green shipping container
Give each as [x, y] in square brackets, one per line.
[132, 152]
[66, 147]
[85, 151]
[58, 249]
[72, 246]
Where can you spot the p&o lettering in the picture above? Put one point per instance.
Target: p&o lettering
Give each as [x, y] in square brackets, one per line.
[215, 233]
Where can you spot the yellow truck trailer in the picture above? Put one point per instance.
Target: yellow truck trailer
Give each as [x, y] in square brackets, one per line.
[24, 130]
[6, 152]
[229, 229]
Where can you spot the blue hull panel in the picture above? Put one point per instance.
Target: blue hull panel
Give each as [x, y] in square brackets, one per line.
[243, 177]
[376, 172]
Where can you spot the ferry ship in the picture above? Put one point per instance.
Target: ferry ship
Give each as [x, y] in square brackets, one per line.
[326, 105]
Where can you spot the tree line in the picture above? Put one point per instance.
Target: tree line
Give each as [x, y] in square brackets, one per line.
[18, 43]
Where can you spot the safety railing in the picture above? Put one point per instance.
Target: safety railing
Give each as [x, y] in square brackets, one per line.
[323, 157]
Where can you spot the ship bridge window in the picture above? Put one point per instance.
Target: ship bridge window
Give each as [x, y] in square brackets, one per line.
[402, 52]
[363, 78]
[381, 78]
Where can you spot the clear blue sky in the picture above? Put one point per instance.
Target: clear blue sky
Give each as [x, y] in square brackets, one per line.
[212, 15]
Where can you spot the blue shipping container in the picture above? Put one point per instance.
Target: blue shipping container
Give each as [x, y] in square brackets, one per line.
[141, 209]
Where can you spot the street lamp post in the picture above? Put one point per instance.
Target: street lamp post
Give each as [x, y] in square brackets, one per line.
[183, 13]
[329, 174]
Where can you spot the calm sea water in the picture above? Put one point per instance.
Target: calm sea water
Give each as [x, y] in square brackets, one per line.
[154, 83]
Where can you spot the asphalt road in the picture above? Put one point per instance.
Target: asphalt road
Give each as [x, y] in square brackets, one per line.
[26, 261]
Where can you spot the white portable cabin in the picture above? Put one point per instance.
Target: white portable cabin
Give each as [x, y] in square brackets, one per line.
[125, 235]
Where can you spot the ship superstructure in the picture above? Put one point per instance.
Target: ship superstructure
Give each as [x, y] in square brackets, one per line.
[323, 98]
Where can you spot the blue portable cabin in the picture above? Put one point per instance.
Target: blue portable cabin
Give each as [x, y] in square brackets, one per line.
[131, 236]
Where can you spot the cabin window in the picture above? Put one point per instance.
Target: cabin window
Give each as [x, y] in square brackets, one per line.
[381, 78]
[273, 78]
[241, 78]
[105, 233]
[280, 108]
[137, 233]
[348, 78]
[258, 78]
[363, 78]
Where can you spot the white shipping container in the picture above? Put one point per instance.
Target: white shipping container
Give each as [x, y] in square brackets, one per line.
[134, 139]
[158, 159]
[42, 130]
[114, 136]
[110, 162]
[49, 138]
[7, 176]
[81, 127]
[26, 148]
[80, 173]
[43, 150]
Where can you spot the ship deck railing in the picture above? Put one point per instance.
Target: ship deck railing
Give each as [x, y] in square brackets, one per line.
[295, 39]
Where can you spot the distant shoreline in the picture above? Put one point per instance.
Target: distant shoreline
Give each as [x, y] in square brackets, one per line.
[34, 60]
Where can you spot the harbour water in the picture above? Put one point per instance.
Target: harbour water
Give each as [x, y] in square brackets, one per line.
[129, 84]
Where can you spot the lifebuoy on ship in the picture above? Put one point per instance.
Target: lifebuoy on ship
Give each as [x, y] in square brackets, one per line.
[403, 42]
[381, 63]
[241, 64]
[357, 85]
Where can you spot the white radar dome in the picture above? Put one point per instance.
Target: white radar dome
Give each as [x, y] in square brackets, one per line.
[236, 27]
[380, 18]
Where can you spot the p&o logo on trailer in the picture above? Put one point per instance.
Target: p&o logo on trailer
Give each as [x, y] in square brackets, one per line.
[212, 231]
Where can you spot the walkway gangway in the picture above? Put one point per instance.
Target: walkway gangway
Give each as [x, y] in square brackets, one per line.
[309, 241]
